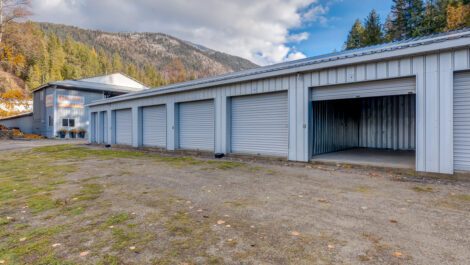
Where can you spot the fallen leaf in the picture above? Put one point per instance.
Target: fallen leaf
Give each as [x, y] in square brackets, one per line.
[220, 222]
[56, 245]
[111, 226]
[132, 248]
[295, 233]
[84, 253]
[228, 226]
[397, 254]
[9, 218]
[229, 240]
[22, 239]
[393, 221]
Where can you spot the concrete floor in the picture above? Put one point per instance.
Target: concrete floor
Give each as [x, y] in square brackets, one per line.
[370, 157]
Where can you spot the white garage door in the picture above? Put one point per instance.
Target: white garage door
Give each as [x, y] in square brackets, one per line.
[104, 126]
[260, 124]
[124, 127]
[196, 125]
[154, 126]
[391, 87]
[462, 121]
[94, 126]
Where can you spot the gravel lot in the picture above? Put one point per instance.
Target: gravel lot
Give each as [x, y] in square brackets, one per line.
[128, 207]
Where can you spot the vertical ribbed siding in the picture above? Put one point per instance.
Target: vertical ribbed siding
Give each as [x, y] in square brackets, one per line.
[462, 121]
[388, 122]
[336, 125]
[104, 127]
[381, 122]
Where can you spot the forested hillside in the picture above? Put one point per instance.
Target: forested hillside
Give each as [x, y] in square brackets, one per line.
[34, 54]
[410, 19]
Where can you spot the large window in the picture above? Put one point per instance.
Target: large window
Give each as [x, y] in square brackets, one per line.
[50, 121]
[68, 122]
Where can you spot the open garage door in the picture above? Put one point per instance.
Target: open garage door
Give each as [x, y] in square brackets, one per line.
[390, 87]
[462, 121]
[196, 125]
[124, 127]
[260, 124]
[154, 126]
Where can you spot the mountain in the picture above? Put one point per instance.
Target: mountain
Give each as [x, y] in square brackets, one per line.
[156, 49]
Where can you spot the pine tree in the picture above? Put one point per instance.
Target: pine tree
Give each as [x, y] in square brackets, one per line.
[415, 14]
[355, 36]
[372, 34]
[396, 28]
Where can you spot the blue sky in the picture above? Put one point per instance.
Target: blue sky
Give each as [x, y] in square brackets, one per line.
[263, 31]
[326, 37]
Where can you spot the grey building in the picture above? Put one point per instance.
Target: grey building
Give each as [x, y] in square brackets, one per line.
[62, 104]
[408, 97]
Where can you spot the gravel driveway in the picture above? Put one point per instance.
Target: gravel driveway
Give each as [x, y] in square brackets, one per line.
[186, 210]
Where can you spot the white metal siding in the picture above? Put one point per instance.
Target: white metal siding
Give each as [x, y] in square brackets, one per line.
[124, 127]
[260, 124]
[462, 122]
[391, 87]
[196, 125]
[154, 126]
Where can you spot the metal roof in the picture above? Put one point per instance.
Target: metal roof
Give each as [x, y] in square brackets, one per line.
[84, 85]
[281, 68]
[17, 116]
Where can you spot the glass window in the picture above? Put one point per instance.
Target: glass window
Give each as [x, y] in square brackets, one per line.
[65, 122]
[71, 122]
[50, 121]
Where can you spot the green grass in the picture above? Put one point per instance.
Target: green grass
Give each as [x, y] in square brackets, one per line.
[89, 192]
[422, 189]
[118, 219]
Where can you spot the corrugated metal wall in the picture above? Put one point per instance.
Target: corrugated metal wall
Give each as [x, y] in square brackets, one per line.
[336, 125]
[381, 122]
[388, 123]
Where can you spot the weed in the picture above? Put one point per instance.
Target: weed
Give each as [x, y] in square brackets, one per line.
[422, 189]
[117, 219]
[90, 191]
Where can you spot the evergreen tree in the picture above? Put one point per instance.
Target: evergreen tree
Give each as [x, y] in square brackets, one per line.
[415, 17]
[355, 36]
[372, 34]
[396, 28]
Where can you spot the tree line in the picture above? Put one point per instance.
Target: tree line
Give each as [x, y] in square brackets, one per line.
[409, 19]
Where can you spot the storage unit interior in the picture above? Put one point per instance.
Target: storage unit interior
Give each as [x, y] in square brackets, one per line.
[370, 131]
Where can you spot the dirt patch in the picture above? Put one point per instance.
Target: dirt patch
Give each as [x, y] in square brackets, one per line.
[88, 205]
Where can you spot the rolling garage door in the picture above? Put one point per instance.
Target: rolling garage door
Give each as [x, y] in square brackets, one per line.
[94, 126]
[124, 127]
[462, 121]
[260, 124]
[104, 127]
[154, 126]
[390, 87]
[196, 125]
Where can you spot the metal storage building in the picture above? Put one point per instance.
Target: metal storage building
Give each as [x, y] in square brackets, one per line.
[61, 104]
[408, 96]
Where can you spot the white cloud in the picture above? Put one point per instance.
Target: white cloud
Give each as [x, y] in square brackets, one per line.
[256, 30]
[299, 37]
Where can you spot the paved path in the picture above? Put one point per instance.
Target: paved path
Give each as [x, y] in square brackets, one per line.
[26, 144]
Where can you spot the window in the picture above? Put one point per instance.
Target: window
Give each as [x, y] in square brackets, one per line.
[50, 121]
[68, 122]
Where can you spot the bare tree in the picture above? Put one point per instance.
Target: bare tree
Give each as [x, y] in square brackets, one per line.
[11, 10]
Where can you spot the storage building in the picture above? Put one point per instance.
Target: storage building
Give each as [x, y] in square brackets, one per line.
[410, 98]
